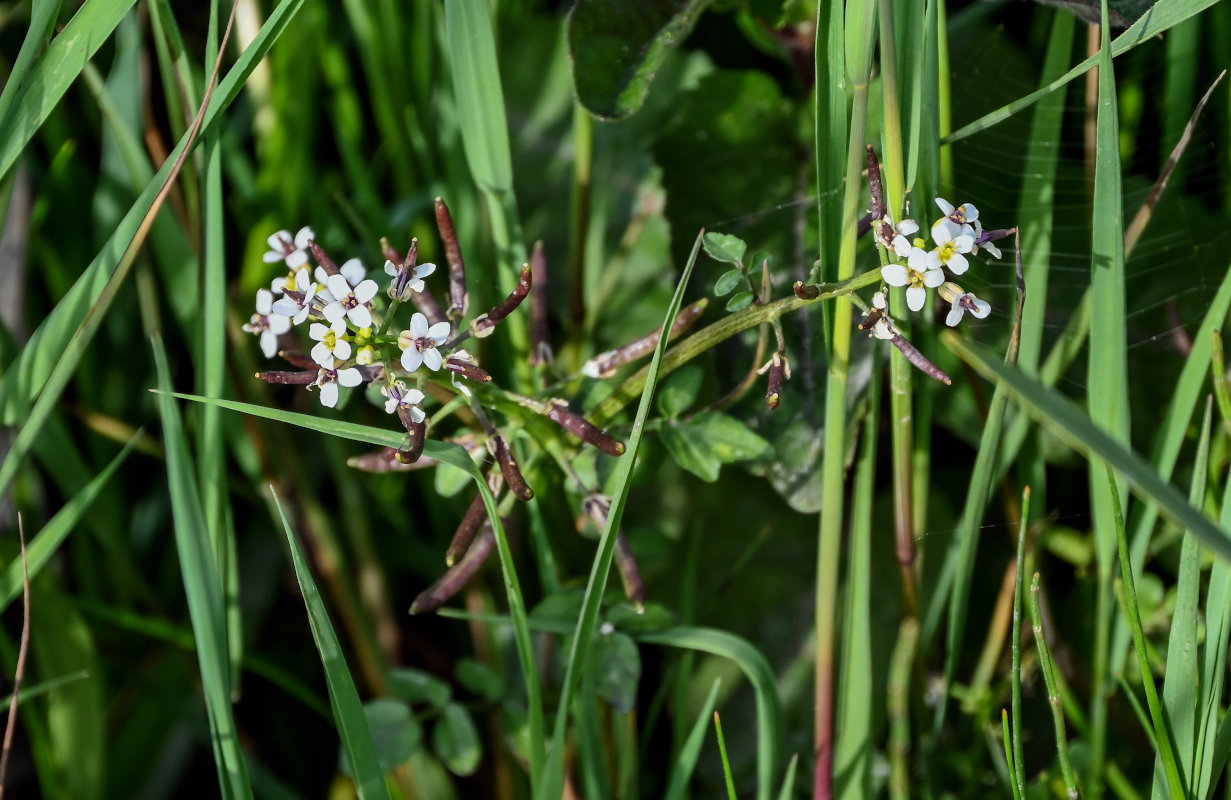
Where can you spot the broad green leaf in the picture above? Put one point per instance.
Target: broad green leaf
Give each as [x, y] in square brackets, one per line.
[395, 734]
[690, 451]
[727, 282]
[349, 714]
[456, 740]
[724, 247]
[617, 670]
[680, 391]
[618, 46]
[417, 686]
[1067, 421]
[729, 439]
[480, 679]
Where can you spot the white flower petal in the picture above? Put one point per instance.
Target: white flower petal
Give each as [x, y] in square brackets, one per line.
[391, 269]
[317, 331]
[416, 414]
[338, 286]
[341, 349]
[964, 243]
[301, 315]
[279, 324]
[286, 306]
[272, 256]
[908, 227]
[941, 234]
[334, 311]
[921, 260]
[278, 241]
[365, 291]
[269, 343]
[322, 355]
[432, 359]
[878, 300]
[349, 377]
[439, 332]
[916, 296]
[353, 271]
[958, 264]
[322, 277]
[955, 315]
[895, 275]
[360, 316]
[264, 302]
[982, 308]
[992, 249]
[297, 258]
[413, 286]
[303, 238]
[933, 278]
[970, 212]
[901, 246]
[411, 358]
[418, 325]
[329, 395]
[423, 270]
[412, 396]
[945, 206]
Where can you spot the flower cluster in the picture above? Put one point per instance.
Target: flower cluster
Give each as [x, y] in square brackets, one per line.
[917, 267]
[346, 320]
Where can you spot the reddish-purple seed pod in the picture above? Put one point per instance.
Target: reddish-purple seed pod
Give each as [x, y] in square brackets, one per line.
[385, 460]
[583, 429]
[323, 259]
[874, 182]
[289, 378]
[540, 329]
[483, 324]
[777, 372]
[508, 468]
[389, 251]
[297, 359]
[466, 370]
[418, 436]
[605, 364]
[914, 356]
[459, 300]
[630, 574]
[475, 516]
[452, 581]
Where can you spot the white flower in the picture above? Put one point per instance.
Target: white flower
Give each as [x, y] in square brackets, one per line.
[960, 302]
[398, 396]
[419, 343]
[298, 282]
[883, 330]
[350, 303]
[465, 357]
[989, 247]
[267, 323]
[918, 278]
[950, 248]
[294, 251]
[329, 379]
[878, 301]
[896, 237]
[412, 281]
[329, 342]
[957, 217]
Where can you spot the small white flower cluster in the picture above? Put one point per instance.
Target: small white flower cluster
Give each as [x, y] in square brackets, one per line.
[954, 235]
[347, 328]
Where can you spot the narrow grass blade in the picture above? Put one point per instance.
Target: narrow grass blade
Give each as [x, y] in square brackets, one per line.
[686, 761]
[1048, 668]
[726, 763]
[42, 21]
[47, 81]
[1010, 764]
[478, 94]
[343, 696]
[56, 531]
[1161, 16]
[788, 783]
[1217, 632]
[203, 588]
[32, 691]
[1182, 685]
[1019, 590]
[1071, 424]
[553, 776]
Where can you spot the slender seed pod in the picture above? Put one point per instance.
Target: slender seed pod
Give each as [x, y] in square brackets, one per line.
[449, 584]
[503, 454]
[630, 574]
[472, 371]
[874, 183]
[385, 460]
[483, 325]
[323, 259]
[540, 329]
[289, 378]
[605, 364]
[459, 300]
[779, 370]
[914, 356]
[389, 251]
[297, 359]
[475, 516]
[418, 435]
[583, 429]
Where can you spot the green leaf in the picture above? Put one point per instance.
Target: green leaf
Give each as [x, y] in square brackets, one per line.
[628, 619]
[726, 248]
[417, 686]
[617, 47]
[477, 93]
[727, 282]
[740, 301]
[680, 391]
[480, 679]
[689, 452]
[730, 439]
[686, 761]
[395, 734]
[456, 741]
[617, 669]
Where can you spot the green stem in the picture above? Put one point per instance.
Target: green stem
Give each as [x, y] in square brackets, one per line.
[1047, 667]
[1019, 758]
[899, 709]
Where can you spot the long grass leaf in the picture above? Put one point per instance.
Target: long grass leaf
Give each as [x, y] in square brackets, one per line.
[1161, 16]
[343, 696]
[553, 776]
[1067, 421]
[686, 760]
[42, 21]
[1217, 633]
[478, 94]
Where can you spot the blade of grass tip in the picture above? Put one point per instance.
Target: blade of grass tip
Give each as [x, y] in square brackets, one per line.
[900, 666]
[1162, 15]
[348, 711]
[553, 777]
[853, 756]
[1047, 667]
[686, 761]
[28, 693]
[47, 362]
[1010, 764]
[1222, 387]
[1217, 631]
[203, 588]
[965, 544]
[1143, 718]
[27, 104]
[788, 782]
[726, 764]
[1162, 737]
[1069, 423]
[23, 651]
[1019, 757]
[1181, 685]
[57, 529]
[754, 665]
[42, 22]
[830, 128]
